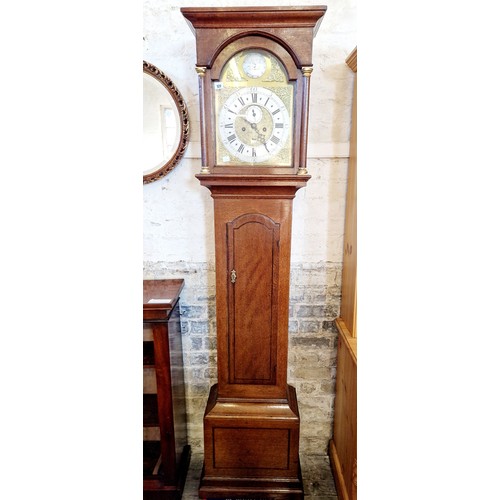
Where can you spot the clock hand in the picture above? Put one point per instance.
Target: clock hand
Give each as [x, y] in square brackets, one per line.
[260, 136]
[252, 124]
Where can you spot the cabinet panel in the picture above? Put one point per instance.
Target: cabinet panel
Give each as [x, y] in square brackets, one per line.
[240, 448]
[253, 245]
[349, 291]
[344, 430]
[254, 322]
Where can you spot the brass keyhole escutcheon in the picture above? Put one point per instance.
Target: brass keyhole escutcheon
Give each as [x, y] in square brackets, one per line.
[233, 276]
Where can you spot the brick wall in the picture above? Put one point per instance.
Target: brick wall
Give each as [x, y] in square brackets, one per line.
[314, 303]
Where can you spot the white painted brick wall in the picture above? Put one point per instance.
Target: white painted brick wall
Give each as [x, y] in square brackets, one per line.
[178, 219]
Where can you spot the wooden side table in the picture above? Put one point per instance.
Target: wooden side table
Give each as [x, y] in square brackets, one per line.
[166, 453]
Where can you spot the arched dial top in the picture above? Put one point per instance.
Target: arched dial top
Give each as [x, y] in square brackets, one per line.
[254, 109]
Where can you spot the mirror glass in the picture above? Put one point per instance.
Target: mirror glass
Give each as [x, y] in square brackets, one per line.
[165, 124]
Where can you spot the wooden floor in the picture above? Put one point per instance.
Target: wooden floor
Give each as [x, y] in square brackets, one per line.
[316, 473]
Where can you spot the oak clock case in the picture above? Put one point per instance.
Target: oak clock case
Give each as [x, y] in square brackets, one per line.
[254, 65]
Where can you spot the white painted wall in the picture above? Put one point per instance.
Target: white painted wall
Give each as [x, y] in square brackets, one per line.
[178, 211]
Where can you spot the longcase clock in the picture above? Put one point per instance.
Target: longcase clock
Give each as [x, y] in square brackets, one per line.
[254, 66]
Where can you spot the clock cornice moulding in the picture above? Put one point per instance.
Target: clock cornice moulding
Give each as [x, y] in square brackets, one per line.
[254, 17]
[210, 26]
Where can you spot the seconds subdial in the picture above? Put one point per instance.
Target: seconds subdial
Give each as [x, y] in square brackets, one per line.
[253, 114]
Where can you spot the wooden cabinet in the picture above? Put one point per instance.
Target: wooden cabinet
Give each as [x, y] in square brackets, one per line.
[343, 446]
[166, 453]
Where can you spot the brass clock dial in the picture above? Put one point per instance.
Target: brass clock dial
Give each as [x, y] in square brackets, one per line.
[253, 125]
[254, 111]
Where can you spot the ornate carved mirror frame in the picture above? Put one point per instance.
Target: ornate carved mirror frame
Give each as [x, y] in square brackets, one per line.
[180, 146]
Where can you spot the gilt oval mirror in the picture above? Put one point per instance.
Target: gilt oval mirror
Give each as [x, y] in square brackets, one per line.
[165, 124]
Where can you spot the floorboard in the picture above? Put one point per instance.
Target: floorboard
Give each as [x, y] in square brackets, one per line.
[316, 474]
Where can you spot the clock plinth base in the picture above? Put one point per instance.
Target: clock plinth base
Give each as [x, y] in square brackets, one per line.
[232, 488]
[251, 448]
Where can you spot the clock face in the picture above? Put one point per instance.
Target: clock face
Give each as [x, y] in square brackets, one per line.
[254, 112]
[254, 124]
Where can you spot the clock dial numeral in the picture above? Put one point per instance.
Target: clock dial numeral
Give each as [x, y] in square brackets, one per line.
[275, 139]
[232, 138]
